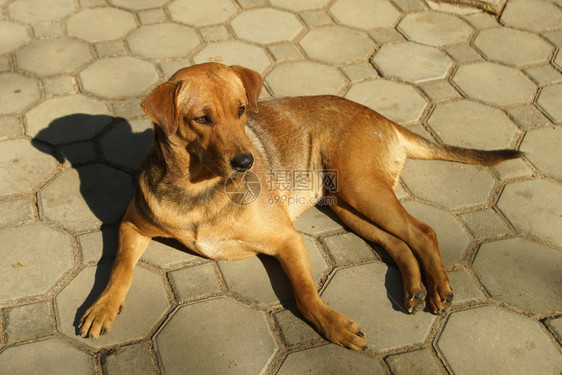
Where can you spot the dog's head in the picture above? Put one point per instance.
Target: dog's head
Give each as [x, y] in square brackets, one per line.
[203, 109]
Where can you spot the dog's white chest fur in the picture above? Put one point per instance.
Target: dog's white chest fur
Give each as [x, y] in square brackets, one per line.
[221, 248]
[210, 247]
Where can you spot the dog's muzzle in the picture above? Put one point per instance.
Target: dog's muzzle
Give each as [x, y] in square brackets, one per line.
[242, 162]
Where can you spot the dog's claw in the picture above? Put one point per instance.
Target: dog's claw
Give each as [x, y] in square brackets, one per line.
[448, 298]
[416, 301]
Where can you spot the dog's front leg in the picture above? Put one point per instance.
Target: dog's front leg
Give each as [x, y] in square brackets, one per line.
[335, 326]
[99, 318]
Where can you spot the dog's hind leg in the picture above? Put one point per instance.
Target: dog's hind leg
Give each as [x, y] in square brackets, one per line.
[376, 201]
[414, 291]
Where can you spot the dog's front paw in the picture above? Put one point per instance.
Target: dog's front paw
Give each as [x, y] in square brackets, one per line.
[99, 318]
[341, 330]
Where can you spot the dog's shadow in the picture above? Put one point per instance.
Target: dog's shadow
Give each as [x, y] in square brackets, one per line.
[107, 153]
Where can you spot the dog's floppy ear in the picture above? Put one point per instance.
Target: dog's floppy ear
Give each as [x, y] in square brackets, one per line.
[253, 83]
[160, 106]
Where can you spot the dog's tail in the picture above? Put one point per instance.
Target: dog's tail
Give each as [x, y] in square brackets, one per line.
[418, 147]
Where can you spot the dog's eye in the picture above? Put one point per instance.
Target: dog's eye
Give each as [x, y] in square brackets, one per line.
[205, 120]
[241, 111]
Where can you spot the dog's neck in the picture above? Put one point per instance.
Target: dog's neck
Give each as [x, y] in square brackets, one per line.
[169, 152]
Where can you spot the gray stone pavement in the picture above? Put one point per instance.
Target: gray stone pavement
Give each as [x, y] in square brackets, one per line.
[72, 135]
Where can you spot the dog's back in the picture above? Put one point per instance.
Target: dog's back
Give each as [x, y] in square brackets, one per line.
[306, 133]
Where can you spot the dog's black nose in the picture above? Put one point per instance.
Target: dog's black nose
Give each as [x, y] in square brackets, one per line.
[242, 162]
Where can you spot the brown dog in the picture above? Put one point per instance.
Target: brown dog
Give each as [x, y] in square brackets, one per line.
[210, 131]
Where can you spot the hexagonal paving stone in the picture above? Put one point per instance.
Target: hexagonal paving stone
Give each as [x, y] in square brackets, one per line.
[33, 11]
[98, 244]
[197, 13]
[266, 25]
[317, 221]
[99, 24]
[138, 4]
[522, 273]
[117, 77]
[23, 167]
[371, 295]
[261, 279]
[534, 15]
[365, 14]
[528, 117]
[544, 74]
[549, 101]
[84, 198]
[10, 126]
[451, 238]
[13, 36]
[145, 305]
[304, 78]
[17, 92]
[539, 146]
[244, 347]
[348, 248]
[194, 282]
[126, 142]
[294, 328]
[163, 40]
[435, 29]
[329, 359]
[299, 5]
[67, 118]
[497, 44]
[28, 321]
[167, 254]
[17, 211]
[336, 45]
[55, 56]
[234, 52]
[484, 223]
[131, 359]
[411, 62]
[53, 354]
[170, 67]
[449, 184]
[410, 363]
[491, 340]
[494, 84]
[534, 207]
[44, 256]
[439, 91]
[465, 287]
[468, 124]
[59, 85]
[515, 168]
[396, 101]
